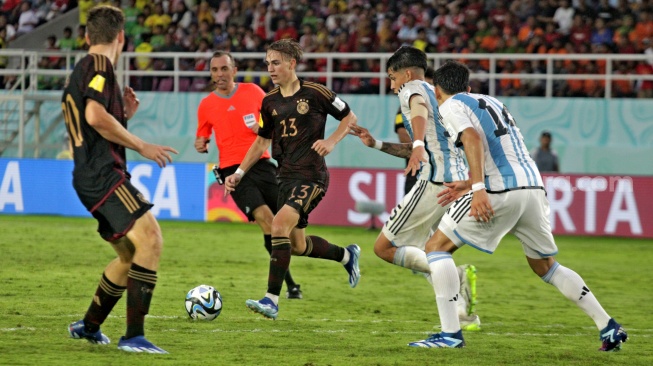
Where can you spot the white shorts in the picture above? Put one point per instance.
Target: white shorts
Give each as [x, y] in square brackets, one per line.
[416, 217]
[523, 212]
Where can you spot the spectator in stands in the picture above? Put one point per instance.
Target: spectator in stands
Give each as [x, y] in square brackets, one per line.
[606, 12]
[564, 16]
[497, 15]
[643, 29]
[158, 17]
[131, 14]
[601, 34]
[158, 37]
[10, 30]
[56, 8]
[408, 32]
[144, 63]
[9, 9]
[138, 30]
[545, 158]
[84, 7]
[261, 21]
[622, 88]
[67, 42]
[204, 12]
[580, 32]
[308, 40]
[285, 30]
[80, 40]
[644, 87]
[182, 16]
[27, 19]
[223, 13]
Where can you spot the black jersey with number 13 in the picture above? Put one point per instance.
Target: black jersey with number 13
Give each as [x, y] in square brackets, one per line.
[294, 123]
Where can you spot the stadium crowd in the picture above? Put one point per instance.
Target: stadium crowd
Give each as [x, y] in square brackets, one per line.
[460, 26]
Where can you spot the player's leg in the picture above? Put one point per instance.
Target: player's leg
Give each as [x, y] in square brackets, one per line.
[444, 278]
[402, 238]
[539, 247]
[263, 216]
[256, 196]
[110, 289]
[282, 224]
[304, 200]
[146, 236]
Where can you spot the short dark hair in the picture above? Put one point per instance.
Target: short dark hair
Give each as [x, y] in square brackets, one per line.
[221, 53]
[289, 48]
[546, 134]
[452, 77]
[429, 73]
[104, 23]
[407, 57]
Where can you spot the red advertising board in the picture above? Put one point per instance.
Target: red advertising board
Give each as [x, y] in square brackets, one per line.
[580, 204]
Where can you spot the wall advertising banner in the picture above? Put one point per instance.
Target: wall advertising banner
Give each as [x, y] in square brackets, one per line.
[44, 186]
[595, 205]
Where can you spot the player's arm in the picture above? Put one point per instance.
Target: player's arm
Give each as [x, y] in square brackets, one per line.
[204, 128]
[481, 208]
[399, 150]
[107, 126]
[324, 147]
[131, 102]
[253, 155]
[418, 115]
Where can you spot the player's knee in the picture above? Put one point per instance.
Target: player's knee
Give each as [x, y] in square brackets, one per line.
[383, 248]
[152, 244]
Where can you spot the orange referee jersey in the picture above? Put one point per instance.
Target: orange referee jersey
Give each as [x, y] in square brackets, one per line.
[231, 117]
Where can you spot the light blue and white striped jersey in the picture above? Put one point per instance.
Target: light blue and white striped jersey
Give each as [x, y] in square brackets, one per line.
[508, 164]
[445, 160]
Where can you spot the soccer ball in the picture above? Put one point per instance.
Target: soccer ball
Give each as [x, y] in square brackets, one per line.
[203, 302]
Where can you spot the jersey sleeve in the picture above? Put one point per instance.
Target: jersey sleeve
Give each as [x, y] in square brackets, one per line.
[266, 123]
[204, 126]
[332, 104]
[99, 80]
[405, 94]
[456, 118]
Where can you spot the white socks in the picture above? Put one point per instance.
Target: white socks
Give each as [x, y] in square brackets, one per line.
[345, 258]
[274, 298]
[574, 288]
[411, 258]
[446, 284]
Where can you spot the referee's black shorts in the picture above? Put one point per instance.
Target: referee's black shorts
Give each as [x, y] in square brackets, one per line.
[257, 188]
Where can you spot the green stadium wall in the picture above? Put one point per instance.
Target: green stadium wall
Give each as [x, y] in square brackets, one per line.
[591, 136]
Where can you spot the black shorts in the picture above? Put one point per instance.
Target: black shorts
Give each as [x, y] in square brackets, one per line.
[257, 188]
[303, 196]
[410, 181]
[119, 209]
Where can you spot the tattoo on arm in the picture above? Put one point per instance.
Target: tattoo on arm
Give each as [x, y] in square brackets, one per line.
[399, 150]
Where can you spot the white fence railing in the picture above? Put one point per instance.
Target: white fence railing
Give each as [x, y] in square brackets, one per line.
[25, 67]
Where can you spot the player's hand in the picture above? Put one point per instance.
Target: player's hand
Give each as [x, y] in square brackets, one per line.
[481, 209]
[202, 145]
[230, 183]
[131, 102]
[453, 191]
[323, 147]
[158, 153]
[362, 134]
[416, 158]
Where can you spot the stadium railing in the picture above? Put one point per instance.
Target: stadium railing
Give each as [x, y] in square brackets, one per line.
[24, 65]
[28, 72]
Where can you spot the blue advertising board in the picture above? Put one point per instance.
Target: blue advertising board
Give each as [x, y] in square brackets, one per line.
[44, 186]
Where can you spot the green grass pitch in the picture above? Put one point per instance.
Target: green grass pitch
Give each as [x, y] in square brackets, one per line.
[50, 267]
